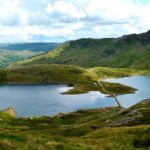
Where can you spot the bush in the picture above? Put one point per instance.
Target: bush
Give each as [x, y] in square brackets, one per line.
[2, 75]
[142, 141]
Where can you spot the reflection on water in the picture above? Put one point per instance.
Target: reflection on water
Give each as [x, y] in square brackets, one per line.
[31, 100]
[38, 100]
[142, 83]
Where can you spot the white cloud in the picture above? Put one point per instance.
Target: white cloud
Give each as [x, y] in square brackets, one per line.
[64, 8]
[45, 20]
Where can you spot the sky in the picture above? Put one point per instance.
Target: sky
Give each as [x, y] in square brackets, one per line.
[62, 20]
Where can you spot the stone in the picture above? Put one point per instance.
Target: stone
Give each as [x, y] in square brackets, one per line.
[10, 111]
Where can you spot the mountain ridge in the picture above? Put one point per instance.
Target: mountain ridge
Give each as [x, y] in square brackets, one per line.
[127, 51]
[32, 46]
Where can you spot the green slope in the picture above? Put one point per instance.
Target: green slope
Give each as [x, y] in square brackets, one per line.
[7, 57]
[83, 80]
[108, 128]
[126, 51]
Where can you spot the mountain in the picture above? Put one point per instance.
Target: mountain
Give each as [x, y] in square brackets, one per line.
[29, 46]
[7, 57]
[127, 51]
[10, 53]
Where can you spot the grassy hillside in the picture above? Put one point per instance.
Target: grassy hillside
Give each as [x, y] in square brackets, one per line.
[8, 57]
[83, 80]
[109, 128]
[127, 51]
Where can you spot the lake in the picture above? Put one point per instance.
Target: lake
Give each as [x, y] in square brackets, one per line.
[142, 83]
[46, 100]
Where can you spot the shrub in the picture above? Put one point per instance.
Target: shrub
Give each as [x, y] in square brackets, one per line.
[142, 141]
[2, 75]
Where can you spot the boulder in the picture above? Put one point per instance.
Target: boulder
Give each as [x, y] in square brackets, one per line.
[10, 111]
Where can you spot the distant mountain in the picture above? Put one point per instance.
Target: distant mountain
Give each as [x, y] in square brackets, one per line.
[126, 51]
[10, 53]
[7, 57]
[29, 46]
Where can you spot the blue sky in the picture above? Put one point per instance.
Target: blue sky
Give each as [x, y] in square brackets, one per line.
[145, 2]
[61, 20]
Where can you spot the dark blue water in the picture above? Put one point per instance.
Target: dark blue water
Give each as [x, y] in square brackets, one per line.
[39, 100]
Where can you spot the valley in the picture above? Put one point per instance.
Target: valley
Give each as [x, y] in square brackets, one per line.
[10, 53]
[62, 99]
[74, 74]
[7, 57]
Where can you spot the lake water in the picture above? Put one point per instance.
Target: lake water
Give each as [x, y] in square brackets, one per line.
[142, 83]
[46, 100]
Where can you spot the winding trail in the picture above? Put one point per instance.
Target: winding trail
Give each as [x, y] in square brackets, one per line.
[112, 94]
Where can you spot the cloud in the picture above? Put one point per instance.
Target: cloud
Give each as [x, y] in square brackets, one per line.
[64, 8]
[59, 20]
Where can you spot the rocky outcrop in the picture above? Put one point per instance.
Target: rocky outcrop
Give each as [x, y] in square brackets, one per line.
[137, 114]
[10, 111]
[131, 118]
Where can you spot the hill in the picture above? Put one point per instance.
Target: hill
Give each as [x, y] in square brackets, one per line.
[126, 51]
[36, 47]
[110, 128]
[83, 80]
[7, 57]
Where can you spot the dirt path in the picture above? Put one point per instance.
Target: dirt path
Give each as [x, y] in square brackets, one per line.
[112, 94]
